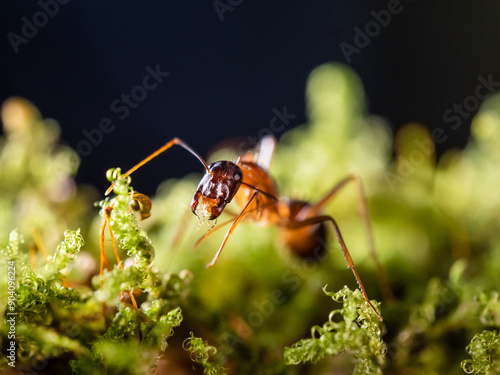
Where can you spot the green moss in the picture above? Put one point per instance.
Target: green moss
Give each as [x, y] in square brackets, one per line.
[435, 223]
[485, 352]
[359, 333]
[201, 352]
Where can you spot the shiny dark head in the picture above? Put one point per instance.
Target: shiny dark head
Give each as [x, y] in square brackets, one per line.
[216, 189]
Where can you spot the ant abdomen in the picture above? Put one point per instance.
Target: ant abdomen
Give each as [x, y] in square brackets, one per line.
[306, 241]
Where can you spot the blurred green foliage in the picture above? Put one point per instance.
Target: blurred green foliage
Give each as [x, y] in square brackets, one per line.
[435, 223]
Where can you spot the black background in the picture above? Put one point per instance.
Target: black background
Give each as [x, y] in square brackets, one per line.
[226, 76]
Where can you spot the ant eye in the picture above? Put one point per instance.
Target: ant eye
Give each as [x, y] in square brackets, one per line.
[237, 176]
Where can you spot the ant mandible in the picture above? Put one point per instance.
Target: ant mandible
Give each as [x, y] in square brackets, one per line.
[247, 180]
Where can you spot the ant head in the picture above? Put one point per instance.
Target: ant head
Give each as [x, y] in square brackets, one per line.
[216, 189]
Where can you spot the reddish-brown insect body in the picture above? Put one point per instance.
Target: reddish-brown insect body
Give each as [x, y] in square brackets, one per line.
[302, 226]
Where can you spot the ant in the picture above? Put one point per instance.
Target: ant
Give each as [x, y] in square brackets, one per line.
[248, 182]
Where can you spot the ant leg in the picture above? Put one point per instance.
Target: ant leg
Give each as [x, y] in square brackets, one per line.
[175, 141]
[219, 226]
[36, 244]
[210, 231]
[120, 264]
[365, 215]
[37, 238]
[179, 235]
[107, 214]
[32, 254]
[347, 256]
[106, 219]
[233, 226]
[102, 245]
[182, 228]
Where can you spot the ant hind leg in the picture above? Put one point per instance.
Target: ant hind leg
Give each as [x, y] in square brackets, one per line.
[383, 279]
[347, 256]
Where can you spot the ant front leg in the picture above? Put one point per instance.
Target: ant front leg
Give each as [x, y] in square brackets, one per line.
[365, 215]
[214, 229]
[236, 221]
[210, 232]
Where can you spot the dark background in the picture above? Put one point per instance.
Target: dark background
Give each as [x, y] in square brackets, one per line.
[226, 76]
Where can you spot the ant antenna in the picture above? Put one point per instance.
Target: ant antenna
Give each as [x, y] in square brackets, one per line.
[175, 141]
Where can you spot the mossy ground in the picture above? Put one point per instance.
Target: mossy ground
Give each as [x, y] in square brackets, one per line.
[260, 310]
